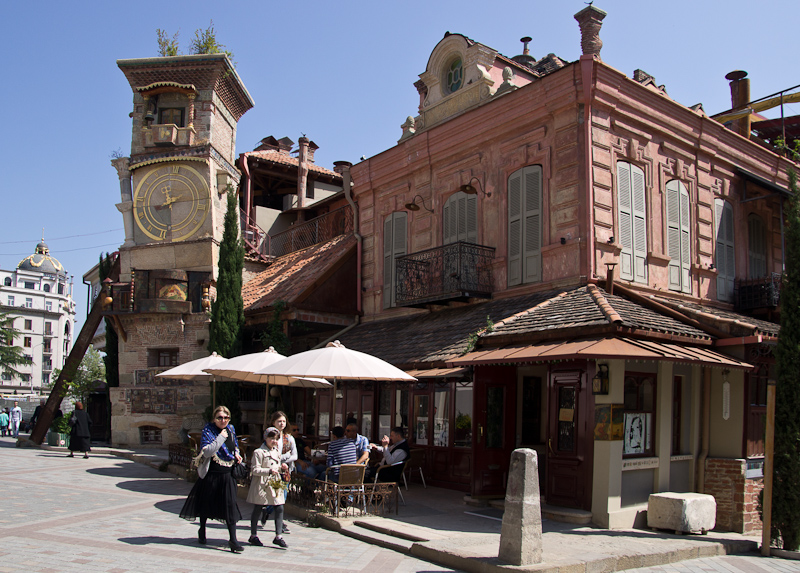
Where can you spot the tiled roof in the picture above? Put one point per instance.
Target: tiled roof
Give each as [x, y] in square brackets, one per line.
[291, 275]
[285, 159]
[591, 306]
[435, 336]
[708, 314]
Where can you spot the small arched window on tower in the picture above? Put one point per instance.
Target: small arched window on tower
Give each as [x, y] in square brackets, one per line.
[7, 281]
[454, 75]
[46, 288]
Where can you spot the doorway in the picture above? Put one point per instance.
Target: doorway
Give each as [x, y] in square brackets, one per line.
[495, 420]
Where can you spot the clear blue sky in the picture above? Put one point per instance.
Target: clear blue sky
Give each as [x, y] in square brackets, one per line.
[340, 72]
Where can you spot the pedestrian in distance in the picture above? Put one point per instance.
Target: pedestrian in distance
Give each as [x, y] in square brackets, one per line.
[267, 486]
[16, 420]
[80, 434]
[213, 496]
[4, 421]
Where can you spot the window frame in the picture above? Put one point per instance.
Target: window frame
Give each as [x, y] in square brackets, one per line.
[525, 225]
[679, 236]
[633, 207]
[650, 425]
[724, 249]
[395, 227]
[170, 110]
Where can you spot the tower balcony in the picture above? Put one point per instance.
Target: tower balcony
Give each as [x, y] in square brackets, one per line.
[168, 135]
[455, 272]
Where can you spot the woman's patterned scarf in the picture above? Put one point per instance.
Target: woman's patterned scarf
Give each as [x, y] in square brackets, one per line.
[210, 433]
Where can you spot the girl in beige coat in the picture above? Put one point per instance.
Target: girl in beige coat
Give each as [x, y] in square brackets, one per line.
[266, 468]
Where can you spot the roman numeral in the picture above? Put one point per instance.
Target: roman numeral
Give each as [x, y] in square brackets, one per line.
[176, 168]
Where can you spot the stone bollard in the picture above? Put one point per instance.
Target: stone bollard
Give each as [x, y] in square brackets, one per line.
[521, 535]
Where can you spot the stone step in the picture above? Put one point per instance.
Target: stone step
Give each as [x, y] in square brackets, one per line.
[377, 538]
[397, 529]
[567, 515]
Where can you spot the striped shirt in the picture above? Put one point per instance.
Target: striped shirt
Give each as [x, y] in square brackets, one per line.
[341, 451]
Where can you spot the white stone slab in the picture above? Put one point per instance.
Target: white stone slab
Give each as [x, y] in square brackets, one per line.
[682, 512]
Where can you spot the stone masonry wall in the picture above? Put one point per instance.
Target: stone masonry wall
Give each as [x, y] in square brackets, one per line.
[736, 495]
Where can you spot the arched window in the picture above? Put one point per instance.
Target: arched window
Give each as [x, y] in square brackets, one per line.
[724, 258]
[394, 245]
[632, 216]
[46, 288]
[756, 247]
[525, 225]
[678, 236]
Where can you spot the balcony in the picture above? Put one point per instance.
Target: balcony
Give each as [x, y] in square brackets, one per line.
[455, 272]
[761, 293]
[168, 135]
[317, 230]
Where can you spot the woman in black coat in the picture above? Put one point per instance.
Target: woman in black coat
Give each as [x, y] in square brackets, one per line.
[79, 436]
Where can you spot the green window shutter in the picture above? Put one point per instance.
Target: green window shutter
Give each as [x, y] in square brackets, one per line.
[639, 225]
[686, 241]
[532, 193]
[625, 210]
[515, 228]
[394, 245]
[460, 218]
[724, 253]
[674, 235]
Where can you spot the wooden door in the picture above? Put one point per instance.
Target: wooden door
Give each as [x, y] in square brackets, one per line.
[495, 420]
[566, 440]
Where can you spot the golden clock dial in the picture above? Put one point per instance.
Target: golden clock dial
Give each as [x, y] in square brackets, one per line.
[171, 202]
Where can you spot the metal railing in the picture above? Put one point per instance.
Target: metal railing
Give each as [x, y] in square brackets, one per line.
[255, 238]
[763, 292]
[457, 270]
[317, 230]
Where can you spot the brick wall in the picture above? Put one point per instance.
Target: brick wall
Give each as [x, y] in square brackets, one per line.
[736, 495]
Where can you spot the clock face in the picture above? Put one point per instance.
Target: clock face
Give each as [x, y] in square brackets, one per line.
[171, 202]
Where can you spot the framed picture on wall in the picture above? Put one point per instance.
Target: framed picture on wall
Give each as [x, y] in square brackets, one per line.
[637, 433]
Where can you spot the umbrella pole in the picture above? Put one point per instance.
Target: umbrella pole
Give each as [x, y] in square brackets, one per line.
[266, 402]
[213, 393]
[332, 420]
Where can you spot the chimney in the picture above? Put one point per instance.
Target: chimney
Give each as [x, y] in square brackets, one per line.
[525, 58]
[312, 147]
[590, 20]
[302, 175]
[340, 166]
[740, 97]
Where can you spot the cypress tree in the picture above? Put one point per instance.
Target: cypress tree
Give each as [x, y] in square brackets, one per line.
[786, 477]
[227, 310]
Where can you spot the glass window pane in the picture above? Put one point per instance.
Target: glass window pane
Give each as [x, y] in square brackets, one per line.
[324, 427]
[441, 417]
[384, 412]
[401, 409]
[494, 417]
[463, 432]
[421, 426]
[366, 415]
[648, 395]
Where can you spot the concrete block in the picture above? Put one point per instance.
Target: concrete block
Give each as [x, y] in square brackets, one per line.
[682, 512]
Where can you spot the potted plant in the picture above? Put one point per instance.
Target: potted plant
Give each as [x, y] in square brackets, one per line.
[59, 432]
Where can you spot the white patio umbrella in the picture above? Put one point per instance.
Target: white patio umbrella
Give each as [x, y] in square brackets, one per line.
[336, 362]
[194, 370]
[244, 368]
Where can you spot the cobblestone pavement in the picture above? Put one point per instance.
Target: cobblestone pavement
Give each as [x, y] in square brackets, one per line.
[113, 515]
[727, 564]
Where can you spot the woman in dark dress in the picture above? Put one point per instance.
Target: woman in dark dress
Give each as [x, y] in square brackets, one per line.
[79, 435]
[214, 494]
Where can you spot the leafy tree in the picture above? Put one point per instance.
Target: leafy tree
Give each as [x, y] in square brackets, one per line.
[167, 46]
[786, 478]
[205, 42]
[89, 372]
[227, 310]
[10, 356]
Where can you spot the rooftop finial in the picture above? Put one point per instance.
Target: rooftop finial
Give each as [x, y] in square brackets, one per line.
[590, 20]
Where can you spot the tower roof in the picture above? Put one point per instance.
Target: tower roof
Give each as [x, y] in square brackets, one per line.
[41, 261]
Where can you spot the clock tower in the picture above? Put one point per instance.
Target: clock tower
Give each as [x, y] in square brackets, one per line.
[173, 190]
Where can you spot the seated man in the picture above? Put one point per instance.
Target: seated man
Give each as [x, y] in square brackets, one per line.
[395, 449]
[304, 463]
[361, 442]
[340, 451]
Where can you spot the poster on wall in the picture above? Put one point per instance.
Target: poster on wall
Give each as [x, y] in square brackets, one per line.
[421, 436]
[637, 433]
[324, 424]
[298, 421]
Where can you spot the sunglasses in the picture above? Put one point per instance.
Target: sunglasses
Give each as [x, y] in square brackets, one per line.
[223, 417]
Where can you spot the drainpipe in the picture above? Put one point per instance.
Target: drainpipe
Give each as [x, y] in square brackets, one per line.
[344, 167]
[705, 422]
[247, 188]
[302, 178]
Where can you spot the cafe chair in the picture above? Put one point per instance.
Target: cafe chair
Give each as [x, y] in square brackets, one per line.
[415, 461]
[399, 468]
[351, 481]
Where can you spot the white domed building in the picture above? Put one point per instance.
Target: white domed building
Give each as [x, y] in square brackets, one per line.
[38, 293]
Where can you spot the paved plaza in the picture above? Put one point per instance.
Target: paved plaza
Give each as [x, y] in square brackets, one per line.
[113, 515]
[110, 514]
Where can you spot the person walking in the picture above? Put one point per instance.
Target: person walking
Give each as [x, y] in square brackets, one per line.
[286, 446]
[4, 421]
[213, 496]
[267, 486]
[80, 434]
[16, 420]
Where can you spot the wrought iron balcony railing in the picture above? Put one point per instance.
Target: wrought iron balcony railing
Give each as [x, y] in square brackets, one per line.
[317, 230]
[457, 271]
[763, 292]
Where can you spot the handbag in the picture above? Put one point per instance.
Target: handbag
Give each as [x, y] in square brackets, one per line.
[239, 471]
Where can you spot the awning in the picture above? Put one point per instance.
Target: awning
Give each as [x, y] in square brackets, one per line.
[597, 349]
[436, 372]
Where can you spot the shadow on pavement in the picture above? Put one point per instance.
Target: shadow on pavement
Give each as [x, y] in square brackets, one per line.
[171, 505]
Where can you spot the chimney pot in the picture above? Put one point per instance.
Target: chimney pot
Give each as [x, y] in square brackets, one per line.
[590, 20]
